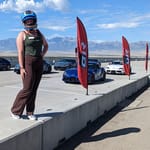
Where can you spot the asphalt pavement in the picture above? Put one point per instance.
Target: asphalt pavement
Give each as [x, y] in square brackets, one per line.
[126, 130]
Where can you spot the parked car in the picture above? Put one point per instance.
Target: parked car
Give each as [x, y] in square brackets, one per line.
[95, 73]
[115, 67]
[64, 64]
[47, 68]
[4, 64]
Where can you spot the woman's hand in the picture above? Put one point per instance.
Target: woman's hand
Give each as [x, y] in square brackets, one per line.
[23, 73]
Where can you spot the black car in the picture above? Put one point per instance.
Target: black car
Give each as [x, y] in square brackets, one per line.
[47, 68]
[64, 64]
[4, 64]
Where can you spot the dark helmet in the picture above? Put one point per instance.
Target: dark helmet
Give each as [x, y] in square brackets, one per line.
[28, 14]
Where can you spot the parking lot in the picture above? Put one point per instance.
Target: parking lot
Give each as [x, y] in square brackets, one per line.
[52, 86]
[54, 96]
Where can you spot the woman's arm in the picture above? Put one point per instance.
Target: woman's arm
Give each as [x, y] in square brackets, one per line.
[45, 46]
[20, 48]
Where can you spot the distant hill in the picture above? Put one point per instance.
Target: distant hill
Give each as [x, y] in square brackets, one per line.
[8, 44]
[69, 44]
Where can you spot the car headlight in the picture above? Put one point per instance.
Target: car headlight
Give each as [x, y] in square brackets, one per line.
[65, 73]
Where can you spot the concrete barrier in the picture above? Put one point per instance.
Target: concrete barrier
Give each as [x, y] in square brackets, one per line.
[49, 133]
[29, 139]
[62, 127]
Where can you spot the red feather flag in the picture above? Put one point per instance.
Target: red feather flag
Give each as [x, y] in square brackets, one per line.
[146, 59]
[126, 56]
[82, 53]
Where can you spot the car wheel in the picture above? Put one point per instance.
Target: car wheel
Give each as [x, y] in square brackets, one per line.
[49, 69]
[18, 72]
[104, 76]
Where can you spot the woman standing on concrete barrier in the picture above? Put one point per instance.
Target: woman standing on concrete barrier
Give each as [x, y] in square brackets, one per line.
[32, 46]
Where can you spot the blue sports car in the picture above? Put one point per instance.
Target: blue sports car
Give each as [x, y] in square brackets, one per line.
[95, 73]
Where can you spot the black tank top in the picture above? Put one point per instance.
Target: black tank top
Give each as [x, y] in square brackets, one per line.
[33, 44]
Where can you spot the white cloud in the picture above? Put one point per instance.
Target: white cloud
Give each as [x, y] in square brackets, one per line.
[21, 5]
[136, 21]
[57, 4]
[6, 5]
[56, 28]
[118, 25]
[57, 23]
[54, 35]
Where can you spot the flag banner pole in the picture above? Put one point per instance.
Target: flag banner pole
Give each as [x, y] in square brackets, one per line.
[126, 56]
[82, 55]
[146, 58]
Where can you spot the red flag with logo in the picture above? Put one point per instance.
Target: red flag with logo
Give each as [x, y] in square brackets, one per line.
[146, 59]
[126, 56]
[82, 53]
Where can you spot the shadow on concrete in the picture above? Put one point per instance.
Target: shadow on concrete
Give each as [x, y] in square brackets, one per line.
[135, 108]
[115, 133]
[102, 82]
[44, 115]
[85, 135]
[94, 83]
[47, 73]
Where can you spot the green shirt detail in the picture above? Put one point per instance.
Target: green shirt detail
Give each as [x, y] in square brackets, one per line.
[33, 45]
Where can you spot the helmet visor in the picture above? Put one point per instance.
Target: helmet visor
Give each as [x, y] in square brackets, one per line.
[28, 12]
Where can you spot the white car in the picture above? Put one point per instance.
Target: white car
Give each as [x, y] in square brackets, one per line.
[115, 67]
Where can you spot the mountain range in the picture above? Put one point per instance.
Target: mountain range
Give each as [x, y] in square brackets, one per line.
[69, 44]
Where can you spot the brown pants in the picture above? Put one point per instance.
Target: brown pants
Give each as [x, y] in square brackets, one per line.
[26, 97]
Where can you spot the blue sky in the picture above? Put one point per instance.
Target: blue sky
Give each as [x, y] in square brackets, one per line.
[104, 20]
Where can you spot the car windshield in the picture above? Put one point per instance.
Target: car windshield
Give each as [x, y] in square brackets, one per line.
[67, 60]
[116, 63]
[92, 66]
